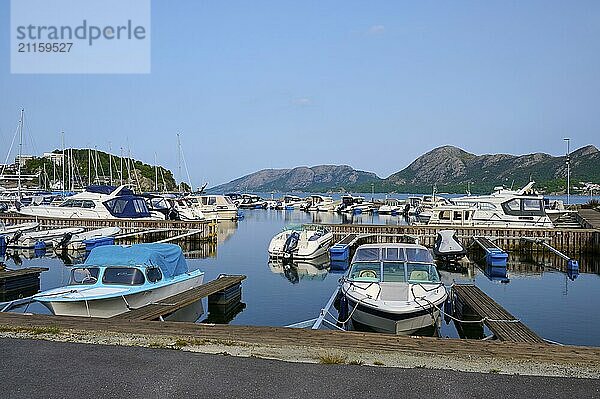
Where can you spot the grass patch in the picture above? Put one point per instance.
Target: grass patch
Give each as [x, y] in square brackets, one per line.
[31, 330]
[44, 330]
[495, 371]
[378, 363]
[180, 343]
[158, 345]
[356, 362]
[332, 359]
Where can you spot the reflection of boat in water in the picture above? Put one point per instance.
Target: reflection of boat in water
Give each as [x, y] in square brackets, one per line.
[226, 229]
[296, 270]
[114, 279]
[393, 288]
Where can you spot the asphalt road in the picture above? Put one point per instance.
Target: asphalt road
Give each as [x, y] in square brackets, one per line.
[43, 369]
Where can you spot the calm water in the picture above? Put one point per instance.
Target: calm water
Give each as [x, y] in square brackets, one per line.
[544, 298]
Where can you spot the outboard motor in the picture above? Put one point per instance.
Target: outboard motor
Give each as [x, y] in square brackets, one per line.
[291, 243]
[406, 209]
[447, 246]
[66, 238]
[15, 238]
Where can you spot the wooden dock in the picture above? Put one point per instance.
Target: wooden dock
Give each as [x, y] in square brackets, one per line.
[19, 282]
[206, 229]
[589, 218]
[502, 324]
[565, 240]
[155, 311]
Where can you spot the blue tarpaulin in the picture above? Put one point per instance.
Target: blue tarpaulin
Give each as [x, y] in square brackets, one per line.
[168, 257]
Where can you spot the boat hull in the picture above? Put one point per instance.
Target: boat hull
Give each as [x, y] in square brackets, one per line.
[109, 307]
[391, 323]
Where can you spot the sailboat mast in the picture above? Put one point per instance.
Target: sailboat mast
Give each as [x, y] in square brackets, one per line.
[63, 162]
[121, 166]
[155, 174]
[179, 163]
[110, 162]
[89, 166]
[20, 151]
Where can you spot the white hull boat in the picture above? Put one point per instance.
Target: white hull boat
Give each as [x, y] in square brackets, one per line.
[393, 288]
[300, 244]
[29, 239]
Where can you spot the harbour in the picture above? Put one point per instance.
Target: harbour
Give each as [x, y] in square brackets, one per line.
[298, 291]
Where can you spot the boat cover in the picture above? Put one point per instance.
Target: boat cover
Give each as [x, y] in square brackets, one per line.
[168, 257]
[104, 189]
[128, 206]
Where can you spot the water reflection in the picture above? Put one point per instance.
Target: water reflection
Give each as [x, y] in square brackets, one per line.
[296, 270]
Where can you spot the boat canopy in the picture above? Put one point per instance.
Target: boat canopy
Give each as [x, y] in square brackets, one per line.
[168, 257]
[128, 206]
[107, 190]
[413, 253]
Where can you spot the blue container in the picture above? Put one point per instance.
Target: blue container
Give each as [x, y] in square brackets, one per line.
[357, 211]
[39, 245]
[98, 242]
[339, 252]
[2, 245]
[572, 264]
[496, 258]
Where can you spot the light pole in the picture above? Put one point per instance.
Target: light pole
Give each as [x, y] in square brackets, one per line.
[568, 140]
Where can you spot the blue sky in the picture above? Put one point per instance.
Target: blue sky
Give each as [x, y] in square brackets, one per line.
[257, 84]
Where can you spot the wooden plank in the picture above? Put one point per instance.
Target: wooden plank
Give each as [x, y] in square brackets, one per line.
[497, 319]
[11, 273]
[173, 303]
[315, 339]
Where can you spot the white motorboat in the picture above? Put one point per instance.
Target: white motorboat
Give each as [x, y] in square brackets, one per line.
[304, 243]
[316, 202]
[290, 202]
[502, 208]
[391, 206]
[186, 210]
[393, 288]
[76, 241]
[217, 207]
[97, 202]
[354, 205]
[31, 238]
[8, 230]
[115, 279]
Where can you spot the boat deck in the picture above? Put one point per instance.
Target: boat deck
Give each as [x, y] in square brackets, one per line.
[501, 323]
[173, 303]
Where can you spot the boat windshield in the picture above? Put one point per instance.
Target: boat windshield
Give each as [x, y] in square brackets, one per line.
[422, 273]
[123, 276]
[365, 271]
[394, 272]
[84, 275]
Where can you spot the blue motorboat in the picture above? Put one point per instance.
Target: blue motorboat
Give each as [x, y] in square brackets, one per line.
[115, 279]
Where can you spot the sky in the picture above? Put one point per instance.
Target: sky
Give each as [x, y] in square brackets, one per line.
[371, 84]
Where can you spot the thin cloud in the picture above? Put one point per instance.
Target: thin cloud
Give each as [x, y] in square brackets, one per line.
[376, 29]
[302, 101]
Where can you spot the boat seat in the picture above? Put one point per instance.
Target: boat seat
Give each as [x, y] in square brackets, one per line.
[419, 275]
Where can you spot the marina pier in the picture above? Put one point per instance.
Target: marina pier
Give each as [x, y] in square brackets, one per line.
[203, 229]
[508, 238]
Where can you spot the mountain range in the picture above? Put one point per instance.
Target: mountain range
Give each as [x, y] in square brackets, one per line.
[448, 168]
